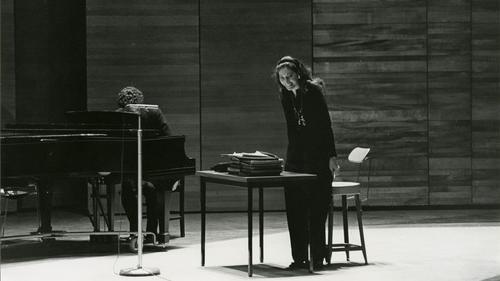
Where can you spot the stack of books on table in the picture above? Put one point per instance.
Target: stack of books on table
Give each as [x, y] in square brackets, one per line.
[254, 164]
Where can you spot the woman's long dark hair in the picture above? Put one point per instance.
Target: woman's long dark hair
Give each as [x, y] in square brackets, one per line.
[303, 72]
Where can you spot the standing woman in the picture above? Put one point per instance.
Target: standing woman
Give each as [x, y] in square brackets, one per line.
[311, 149]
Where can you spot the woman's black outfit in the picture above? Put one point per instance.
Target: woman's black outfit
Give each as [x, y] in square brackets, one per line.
[310, 146]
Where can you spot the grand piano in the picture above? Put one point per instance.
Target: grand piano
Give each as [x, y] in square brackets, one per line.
[100, 146]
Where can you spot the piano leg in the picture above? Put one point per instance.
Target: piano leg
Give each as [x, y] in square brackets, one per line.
[44, 205]
[95, 218]
[163, 204]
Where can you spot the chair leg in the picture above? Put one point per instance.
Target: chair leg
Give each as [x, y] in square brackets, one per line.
[330, 231]
[181, 208]
[359, 211]
[346, 225]
[110, 205]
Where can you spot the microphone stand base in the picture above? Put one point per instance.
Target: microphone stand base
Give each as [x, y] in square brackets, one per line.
[140, 271]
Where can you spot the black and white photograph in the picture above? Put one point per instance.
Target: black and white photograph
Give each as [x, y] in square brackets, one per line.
[284, 140]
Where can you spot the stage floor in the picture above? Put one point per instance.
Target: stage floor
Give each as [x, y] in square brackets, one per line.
[401, 245]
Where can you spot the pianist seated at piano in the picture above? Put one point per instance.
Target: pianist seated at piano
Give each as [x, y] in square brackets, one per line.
[154, 189]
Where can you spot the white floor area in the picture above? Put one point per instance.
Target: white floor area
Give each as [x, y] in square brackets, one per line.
[415, 252]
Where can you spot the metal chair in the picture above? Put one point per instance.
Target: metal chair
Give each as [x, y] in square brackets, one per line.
[14, 193]
[345, 189]
[180, 214]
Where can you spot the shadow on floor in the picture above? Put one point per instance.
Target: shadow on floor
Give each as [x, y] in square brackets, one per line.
[338, 266]
[494, 278]
[29, 250]
[264, 270]
[276, 271]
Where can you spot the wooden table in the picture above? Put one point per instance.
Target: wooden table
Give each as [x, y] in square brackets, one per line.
[250, 183]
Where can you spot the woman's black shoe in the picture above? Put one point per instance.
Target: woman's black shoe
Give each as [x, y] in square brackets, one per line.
[298, 265]
[318, 266]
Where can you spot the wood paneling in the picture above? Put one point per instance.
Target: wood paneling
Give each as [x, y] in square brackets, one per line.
[368, 11]
[485, 11]
[8, 85]
[412, 80]
[418, 81]
[449, 66]
[50, 59]
[372, 55]
[486, 101]
[449, 162]
[240, 110]
[449, 95]
[152, 45]
[448, 11]
[449, 47]
[43, 69]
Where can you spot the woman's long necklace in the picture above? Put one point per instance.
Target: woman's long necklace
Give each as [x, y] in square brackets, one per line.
[299, 111]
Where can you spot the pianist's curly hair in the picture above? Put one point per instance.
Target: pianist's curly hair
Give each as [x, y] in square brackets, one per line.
[129, 95]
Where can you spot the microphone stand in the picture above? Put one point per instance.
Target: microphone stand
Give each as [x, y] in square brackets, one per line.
[139, 270]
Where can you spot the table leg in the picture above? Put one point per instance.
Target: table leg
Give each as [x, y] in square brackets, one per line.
[203, 210]
[250, 230]
[309, 249]
[330, 229]
[261, 223]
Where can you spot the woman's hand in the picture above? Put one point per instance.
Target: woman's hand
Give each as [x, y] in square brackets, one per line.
[176, 185]
[334, 166]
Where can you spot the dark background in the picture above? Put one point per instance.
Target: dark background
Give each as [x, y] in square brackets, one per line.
[417, 81]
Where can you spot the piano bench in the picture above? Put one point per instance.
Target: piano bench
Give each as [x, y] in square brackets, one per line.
[17, 193]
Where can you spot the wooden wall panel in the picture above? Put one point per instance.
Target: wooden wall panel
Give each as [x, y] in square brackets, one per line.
[240, 43]
[152, 45]
[486, 101]
[449, 76]
[372, 56]
[413, 79]
[448, 11]
[7, 68]
[50, 59]
[449, 162]
[449, 47]
[8, 84]
[44, 71]
[449, 95]
[368, 12]
[418, 81]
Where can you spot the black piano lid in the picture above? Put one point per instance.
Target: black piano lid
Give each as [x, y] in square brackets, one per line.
[104, 119]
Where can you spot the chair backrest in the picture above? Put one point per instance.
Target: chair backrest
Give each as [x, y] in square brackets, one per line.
[358, 154]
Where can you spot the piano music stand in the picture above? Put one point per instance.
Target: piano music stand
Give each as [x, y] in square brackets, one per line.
[139, 270]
